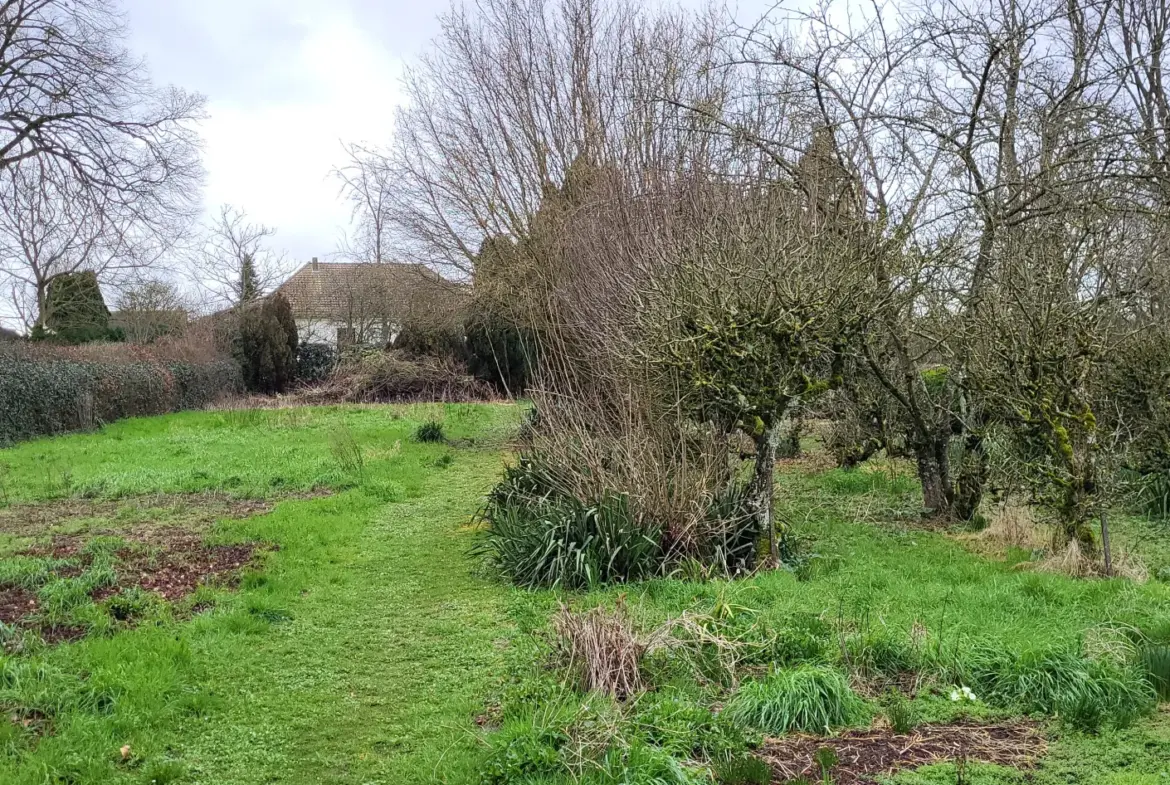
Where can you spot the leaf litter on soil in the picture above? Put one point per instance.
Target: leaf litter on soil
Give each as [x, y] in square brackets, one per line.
[164, 550]
[864, 755]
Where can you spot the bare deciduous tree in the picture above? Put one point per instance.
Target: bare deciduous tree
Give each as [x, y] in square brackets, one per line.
[236, 263]
[150, 309]
[52, 225]
[368, 185]
[71, 91]
[99, 167]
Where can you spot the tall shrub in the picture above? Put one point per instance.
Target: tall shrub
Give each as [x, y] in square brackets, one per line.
[266, 346]
[74, 311]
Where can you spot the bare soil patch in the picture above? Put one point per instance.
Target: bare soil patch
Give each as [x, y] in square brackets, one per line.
[179, 567]
[188, 510]
[164, 551]
[865, 755]
[171, 566]
[16, 603]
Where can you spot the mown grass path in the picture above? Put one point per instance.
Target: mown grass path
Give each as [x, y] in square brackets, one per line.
[360, 651]
[379, 675]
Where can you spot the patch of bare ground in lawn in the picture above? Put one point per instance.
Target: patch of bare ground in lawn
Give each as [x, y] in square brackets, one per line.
[30, 721]
[195, 511]
[172, 565]
[866, 754]
[160, 541]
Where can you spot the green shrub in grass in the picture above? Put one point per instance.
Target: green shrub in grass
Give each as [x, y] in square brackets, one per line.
[809, 698]
[686, 728]
[641, 764]
[429, 432]
[1087, 694]
[524, 748]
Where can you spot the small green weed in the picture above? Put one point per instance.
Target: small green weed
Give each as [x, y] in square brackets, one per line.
[131, 604]
[900, 712]
[742, 770]
[826, 758]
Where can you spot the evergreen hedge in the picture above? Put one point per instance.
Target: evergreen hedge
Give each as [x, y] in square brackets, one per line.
[41, 396]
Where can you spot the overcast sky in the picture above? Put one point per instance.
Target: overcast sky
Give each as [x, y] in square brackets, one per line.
[286, 82]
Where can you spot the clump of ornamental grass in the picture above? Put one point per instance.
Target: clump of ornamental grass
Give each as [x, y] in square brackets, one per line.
[808, 698]
[1085, 693]
[537, 534]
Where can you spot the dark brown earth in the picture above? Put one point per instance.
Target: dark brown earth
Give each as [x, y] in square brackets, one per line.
[864, 755]
[16, 603]
[189, 510]
[165, 553]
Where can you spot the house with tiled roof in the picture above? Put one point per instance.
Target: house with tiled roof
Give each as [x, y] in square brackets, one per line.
[356, 302]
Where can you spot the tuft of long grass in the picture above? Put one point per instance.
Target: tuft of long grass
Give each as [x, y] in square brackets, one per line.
[742, 770]
[1087, 693]
[809, 698]
[1154, 660]
[429, 432]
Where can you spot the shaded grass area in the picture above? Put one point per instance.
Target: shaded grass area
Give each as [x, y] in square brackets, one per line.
[356, 652]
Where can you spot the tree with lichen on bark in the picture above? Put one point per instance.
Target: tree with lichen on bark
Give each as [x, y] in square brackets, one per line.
[765, 307]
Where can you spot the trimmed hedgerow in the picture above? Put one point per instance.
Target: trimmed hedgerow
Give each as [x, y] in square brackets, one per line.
[41, 396]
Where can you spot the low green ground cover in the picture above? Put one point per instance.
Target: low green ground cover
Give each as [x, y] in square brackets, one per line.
[365, 644]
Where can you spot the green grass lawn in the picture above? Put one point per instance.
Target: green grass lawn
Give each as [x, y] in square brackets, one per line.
[366, 642]
[359, 652]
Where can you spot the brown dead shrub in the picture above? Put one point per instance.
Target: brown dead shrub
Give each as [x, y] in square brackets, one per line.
[382, 377]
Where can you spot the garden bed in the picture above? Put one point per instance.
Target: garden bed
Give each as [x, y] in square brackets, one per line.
[863, 755]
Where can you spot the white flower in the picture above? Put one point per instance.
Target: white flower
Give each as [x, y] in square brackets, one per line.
[955, 695]
[970, 695]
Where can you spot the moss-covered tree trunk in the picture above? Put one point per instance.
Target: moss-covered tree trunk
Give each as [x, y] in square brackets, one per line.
[790, 445]
[762, 489]
[933, 463]
[972, 477]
